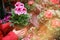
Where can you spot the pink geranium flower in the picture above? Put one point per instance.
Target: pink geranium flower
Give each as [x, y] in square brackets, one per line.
[19, 4]
[20, 9]
[48, 14]
[55, 1]
[24, 11]
[55, 23]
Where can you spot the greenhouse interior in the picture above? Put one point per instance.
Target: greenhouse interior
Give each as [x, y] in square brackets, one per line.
[29, 19]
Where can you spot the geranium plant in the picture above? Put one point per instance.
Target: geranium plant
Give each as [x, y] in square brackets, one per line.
[20, 15]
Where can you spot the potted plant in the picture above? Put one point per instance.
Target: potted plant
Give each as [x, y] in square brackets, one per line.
[20, 17]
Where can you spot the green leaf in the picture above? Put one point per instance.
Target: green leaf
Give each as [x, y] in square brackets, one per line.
[22, 19]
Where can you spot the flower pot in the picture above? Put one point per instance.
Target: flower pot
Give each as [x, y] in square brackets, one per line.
[18, 27]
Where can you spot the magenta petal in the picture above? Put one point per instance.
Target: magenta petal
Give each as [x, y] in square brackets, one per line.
[19, 4]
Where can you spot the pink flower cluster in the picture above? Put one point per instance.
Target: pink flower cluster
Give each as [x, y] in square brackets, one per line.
[55, 1]
[48, 14]
[20, 9]
[30, 2]
[55, 23]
